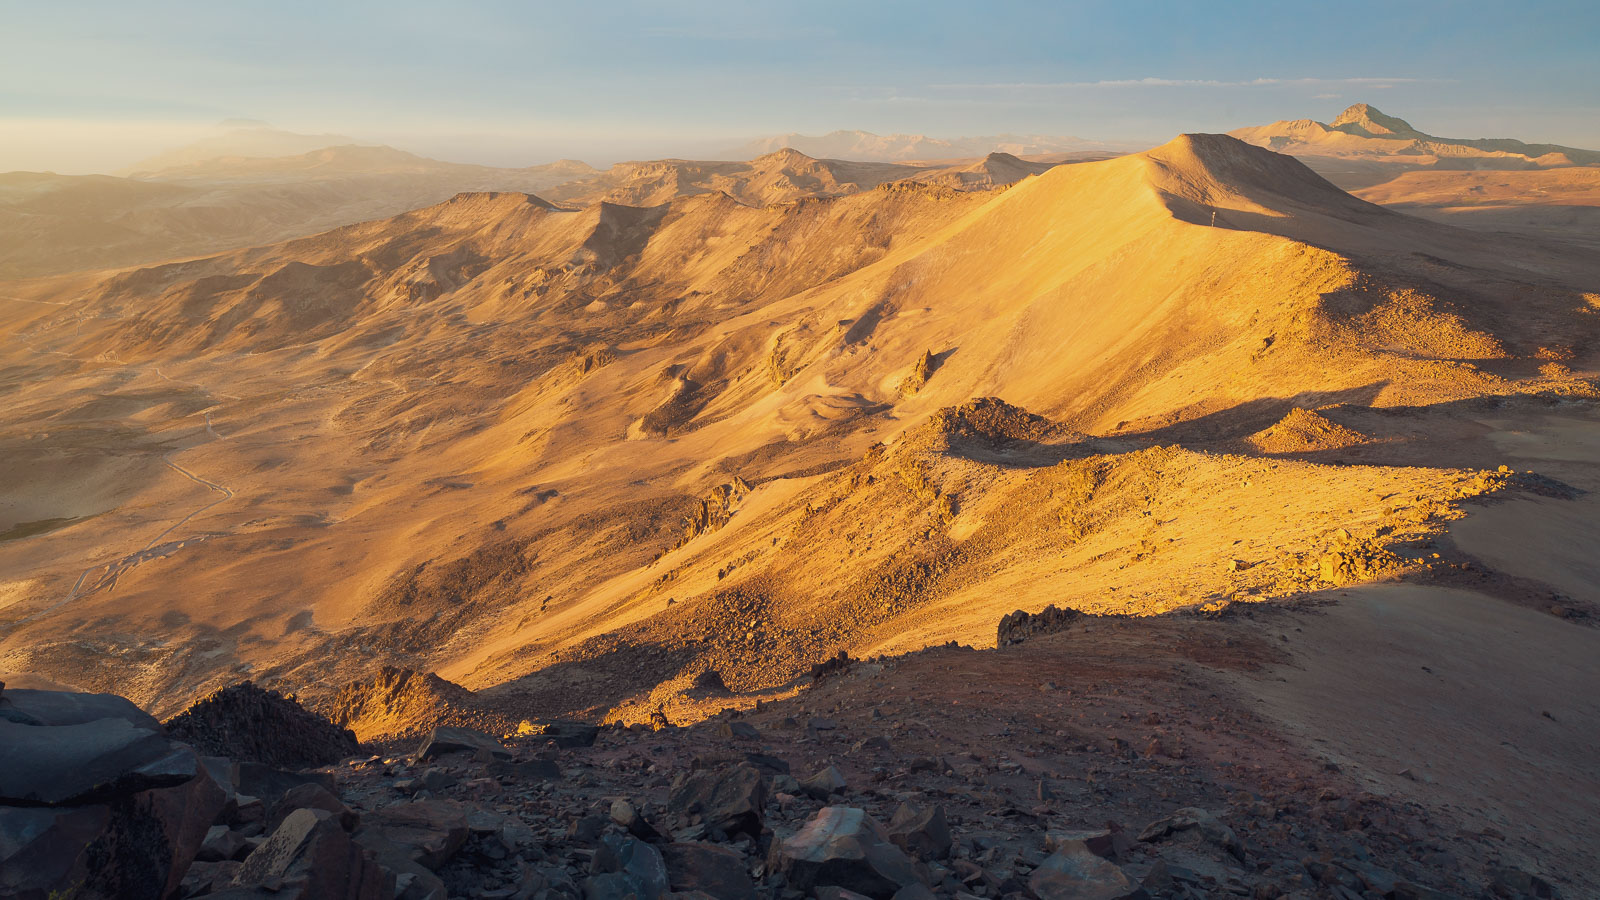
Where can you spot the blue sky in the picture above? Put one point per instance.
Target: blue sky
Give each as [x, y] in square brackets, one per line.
[95, 84]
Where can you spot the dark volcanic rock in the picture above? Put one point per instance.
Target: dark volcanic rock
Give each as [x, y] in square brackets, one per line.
[249, 724]
[451, 739]
[430, 831]
[571, 735]
[65, 708]
[222, 843]
[270, 784]
[1074, 872]
[311, 856]
[843, 846]
[625, 867]
[136, 845]
[824, 784]
[1196, 821]
[86, 762]
[312, 796]
[737, 729]
[1019, 626]
[718, 871]
[923, 833]
[727, 800]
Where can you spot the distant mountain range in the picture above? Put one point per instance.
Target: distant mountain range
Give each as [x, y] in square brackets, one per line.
[251, 184]
[868, 147]
[1363, 133]
[254, 185]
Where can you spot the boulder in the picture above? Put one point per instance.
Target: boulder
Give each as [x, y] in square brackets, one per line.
[571, 735]
[624, 867]
[722, 759]
[269, 784]
[1102, 842]
[738, 730]
[717, 871]
[628, 816]
[1074, 872]
[131, 846]
[451, 739]
[824, 784]
[222, 843]
[428, 831]
[923, 833]
[413, 881]
[311, 856]
[26, 707]
[1196, 821]
[728, 800]
[87, 762]
[843, 846]
[312, 796]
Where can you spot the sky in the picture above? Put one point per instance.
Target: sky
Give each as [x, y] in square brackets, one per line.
[93, 86]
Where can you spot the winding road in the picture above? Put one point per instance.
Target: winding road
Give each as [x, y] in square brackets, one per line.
[158, 546]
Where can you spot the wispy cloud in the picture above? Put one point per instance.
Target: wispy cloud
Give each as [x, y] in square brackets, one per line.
[1171, 82]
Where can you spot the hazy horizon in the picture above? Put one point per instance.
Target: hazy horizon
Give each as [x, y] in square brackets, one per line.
[96, 87]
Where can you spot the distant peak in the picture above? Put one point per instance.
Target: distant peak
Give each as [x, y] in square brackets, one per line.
[784, 155]
[1365, 119]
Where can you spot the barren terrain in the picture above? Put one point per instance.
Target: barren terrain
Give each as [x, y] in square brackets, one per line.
[515, 457]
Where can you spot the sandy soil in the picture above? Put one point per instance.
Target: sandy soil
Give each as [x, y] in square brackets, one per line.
[1476, 708]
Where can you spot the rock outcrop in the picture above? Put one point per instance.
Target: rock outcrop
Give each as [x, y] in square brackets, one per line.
[245, 722]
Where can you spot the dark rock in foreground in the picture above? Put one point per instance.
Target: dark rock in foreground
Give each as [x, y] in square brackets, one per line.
[311, 856]
[56, 765]
[729, 800]
[28, 707]
[844, 846]
[131, 841]
[1074, 872]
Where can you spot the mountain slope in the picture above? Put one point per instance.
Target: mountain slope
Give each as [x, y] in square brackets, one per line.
[571, 458]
